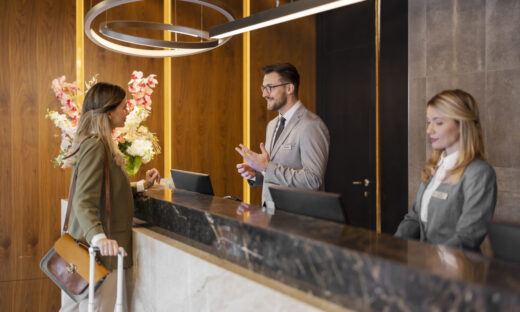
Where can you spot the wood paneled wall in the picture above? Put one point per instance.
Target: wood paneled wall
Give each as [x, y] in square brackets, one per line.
[37, 46]
[116, 68]
[39, 39]
[207, 105]
[293, 42]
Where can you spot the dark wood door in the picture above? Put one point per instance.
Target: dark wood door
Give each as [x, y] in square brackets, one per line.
[346, 102]
[345, 93]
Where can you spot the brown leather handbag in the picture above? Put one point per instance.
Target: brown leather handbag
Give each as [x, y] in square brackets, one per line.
[67, 262]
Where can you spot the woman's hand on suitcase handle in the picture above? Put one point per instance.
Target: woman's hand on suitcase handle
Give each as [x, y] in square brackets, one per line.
[108, 247]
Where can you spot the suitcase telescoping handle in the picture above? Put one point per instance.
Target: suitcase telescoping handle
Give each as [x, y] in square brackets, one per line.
[91, 286]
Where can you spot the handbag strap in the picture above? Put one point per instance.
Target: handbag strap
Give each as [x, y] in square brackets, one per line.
[73, 189]
[107, 195]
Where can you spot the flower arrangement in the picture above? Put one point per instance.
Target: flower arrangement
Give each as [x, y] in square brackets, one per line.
[137, 143]
[134, 140]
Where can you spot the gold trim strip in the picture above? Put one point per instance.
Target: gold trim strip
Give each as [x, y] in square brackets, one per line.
[167, 95]
[246, 102]
[378, 119]
[80, 52]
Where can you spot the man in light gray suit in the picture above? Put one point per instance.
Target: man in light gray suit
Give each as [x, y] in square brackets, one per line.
[297, 141]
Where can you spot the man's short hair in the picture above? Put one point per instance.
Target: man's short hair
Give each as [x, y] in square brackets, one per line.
[287, 71]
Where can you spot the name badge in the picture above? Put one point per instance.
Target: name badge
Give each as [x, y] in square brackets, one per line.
[440, 195]
[287, 147]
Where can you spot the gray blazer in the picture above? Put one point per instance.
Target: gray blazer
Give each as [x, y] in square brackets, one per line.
[299, 156]
[458, 214]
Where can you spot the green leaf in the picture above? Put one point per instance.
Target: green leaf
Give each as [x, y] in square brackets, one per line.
[123, 147]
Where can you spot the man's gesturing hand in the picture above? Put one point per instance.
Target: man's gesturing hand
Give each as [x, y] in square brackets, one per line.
[256, 161]
[246, 171]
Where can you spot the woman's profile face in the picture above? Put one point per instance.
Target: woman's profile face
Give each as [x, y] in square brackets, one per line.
[118, 115]
[443, 131]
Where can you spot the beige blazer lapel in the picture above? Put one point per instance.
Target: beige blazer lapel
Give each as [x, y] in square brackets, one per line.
[288, 129]
[271, 126]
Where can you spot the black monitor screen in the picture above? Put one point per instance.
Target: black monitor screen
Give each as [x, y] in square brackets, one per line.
[192, 181]
[321, 205]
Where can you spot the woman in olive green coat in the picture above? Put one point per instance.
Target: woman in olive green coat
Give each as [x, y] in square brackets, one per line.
[104, 109]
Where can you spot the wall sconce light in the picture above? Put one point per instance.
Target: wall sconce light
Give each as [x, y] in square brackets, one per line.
[276, 15]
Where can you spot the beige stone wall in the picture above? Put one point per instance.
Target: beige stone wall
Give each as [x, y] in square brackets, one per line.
[473, 45]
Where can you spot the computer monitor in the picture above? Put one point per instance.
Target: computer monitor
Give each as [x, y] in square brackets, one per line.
[192, 181]
[321, 205]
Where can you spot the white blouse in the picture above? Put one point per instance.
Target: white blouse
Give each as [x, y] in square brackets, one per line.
[445, 164]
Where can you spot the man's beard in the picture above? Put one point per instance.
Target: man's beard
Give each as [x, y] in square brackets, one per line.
[278, 104]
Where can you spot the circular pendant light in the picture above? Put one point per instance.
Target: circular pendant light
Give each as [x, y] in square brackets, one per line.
[170, 48]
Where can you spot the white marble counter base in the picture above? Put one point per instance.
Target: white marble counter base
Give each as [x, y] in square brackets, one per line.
[166, 278]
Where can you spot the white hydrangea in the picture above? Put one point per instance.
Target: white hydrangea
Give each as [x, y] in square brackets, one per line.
[135, 117]
[140, 147]
[148, 155]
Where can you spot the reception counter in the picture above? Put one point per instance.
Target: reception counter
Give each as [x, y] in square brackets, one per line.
[196, 252]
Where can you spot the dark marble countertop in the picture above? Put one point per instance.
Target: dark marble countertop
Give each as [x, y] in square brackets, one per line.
[352, 267]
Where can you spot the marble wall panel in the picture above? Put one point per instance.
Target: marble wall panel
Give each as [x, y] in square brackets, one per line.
[455, 34]
[508, 179]
[503, 118]
[166, 278]
[416, 135]
[417, 121]
[502, 34]
[474, 46]
[417, 38]
[508, 207]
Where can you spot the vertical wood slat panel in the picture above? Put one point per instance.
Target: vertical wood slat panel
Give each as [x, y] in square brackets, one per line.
[116, 68]
[24, 144]
[293, 42]
[6, 212]
[55, 37]
[36, 50]
[207, 105]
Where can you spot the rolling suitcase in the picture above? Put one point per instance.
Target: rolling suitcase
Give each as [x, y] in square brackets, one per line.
[119, 299]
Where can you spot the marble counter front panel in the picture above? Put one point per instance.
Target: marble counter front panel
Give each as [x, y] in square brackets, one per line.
[350, 267]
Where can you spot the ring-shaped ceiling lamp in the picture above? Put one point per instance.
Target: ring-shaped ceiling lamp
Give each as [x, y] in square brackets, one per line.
[106, 29]
[172, 48]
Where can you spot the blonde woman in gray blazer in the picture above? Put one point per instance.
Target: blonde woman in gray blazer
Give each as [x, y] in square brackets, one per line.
[457, 196]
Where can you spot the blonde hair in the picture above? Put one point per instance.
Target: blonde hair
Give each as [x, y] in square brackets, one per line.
[100, 99]
[462, 108]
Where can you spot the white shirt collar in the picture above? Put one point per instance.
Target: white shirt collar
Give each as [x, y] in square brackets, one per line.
[450, 160]
[445, 164]
[288, 114]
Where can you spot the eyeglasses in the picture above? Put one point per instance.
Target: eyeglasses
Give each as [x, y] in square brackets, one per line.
[269, 88]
